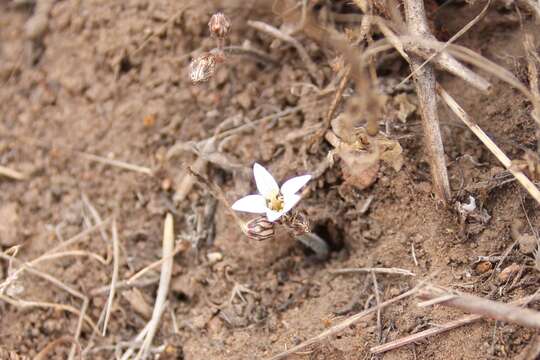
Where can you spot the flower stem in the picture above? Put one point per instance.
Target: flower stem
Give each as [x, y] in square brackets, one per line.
[315, 243]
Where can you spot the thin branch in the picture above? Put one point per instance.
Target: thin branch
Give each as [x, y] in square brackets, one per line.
[344, 324]
[117, 163]
[181, 246]
[373, 270]
[20, 303]
[425, 87]
[450, 64]
[438, 329]
[378, 300]
[13, 174]
[163, 289]
[269, 29]
[484, 307]
[519, 175]
[114, 278]
[440, 58]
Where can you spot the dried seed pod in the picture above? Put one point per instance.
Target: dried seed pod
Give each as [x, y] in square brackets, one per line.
[297, 222]
[219, 25]
[259, 229]
[202, 68]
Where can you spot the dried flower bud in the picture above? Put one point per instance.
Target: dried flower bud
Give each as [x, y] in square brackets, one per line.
[296, 222]
[219, 25]
[202, 68]
[259, 229]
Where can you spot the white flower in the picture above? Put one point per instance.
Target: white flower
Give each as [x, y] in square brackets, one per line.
[271, 200]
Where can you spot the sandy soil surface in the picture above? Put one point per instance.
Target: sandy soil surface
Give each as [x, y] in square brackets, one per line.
[84, 81]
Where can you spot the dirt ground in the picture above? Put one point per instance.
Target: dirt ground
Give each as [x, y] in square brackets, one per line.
[110, 79]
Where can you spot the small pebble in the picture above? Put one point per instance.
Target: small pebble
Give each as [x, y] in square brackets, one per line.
[508, 271]
[483, 267]
[214, 257]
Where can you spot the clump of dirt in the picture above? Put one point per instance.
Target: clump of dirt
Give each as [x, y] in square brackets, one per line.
[100, 116]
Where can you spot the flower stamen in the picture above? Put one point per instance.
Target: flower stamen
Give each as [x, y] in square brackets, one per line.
[275, 201]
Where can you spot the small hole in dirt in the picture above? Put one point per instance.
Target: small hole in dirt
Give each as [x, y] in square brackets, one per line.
[125, 65]
[331, 233]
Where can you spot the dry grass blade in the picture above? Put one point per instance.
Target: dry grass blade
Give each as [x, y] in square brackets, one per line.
[532, 62]
[486, 308]
[44, 276]
[12, 174]
[482, 84]
[269, 29]
[163, 289]
[44, 354]
[343, 325]
[378, 299]
[15, 274]
[117, 163]
[423, 334]
[181, 246]
[114, 278]
[425, 88]
[441, 328]
[415, 43]
[20, 303]
[523, 180]
[78, 330]
[373, 270]
[444, 61]
[97, 220]
[79, 237]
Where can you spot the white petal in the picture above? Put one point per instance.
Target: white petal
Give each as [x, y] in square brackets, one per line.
[251, 203]
[290, 201]
[292, 186]
[266, 184]
[272, 215]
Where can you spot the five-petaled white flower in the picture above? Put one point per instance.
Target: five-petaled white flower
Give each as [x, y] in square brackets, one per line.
[271, 200]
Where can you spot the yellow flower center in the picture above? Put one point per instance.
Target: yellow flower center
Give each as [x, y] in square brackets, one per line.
[274, 201]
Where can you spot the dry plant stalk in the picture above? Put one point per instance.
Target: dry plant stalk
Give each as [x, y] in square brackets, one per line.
[439, 57]
[484, 307]
[12, 174]
[415, 15]
[163, 289]
[269, 29]
[114, 277]
[344, 324]
[532, 62]
[441, 328]
[501, 156]
[44, 354]
[180, 247]
[373, 270]
[450, 64]
[27, 304]
[117, 163]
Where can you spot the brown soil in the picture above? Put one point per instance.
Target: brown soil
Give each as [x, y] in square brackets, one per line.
[92, 84]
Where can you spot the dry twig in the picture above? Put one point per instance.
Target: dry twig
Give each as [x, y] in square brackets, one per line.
[425, 87]
[269, 29]
[486, 308]
[163, 289]
[450, 64]
[27, 304]
[532, 62]
[373, 270]
[114, 278]
[44, 354]
[519, 175]
[343, 325]
[441, 328]
[7, 172]
[117, 163]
